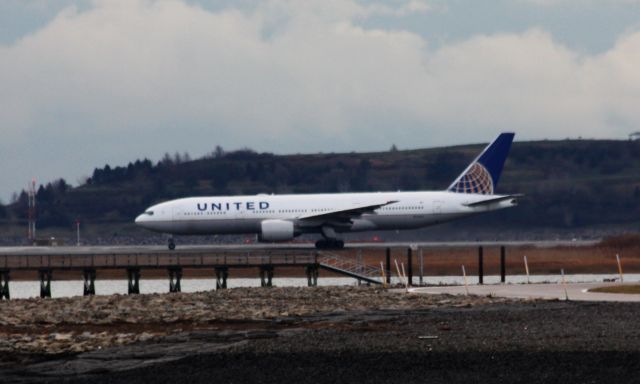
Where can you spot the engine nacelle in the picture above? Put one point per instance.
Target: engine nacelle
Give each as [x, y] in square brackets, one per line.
[276, 230]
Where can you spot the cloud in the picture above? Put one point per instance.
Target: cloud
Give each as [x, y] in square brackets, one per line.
[126, 79]
[409, 8]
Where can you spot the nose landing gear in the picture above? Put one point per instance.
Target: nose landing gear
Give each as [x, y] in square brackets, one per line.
[171, 244]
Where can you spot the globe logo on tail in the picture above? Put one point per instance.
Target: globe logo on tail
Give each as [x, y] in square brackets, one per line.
[476, 180]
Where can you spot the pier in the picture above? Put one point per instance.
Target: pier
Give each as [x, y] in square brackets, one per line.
[134, 260]
[45, 261]
[368, 263]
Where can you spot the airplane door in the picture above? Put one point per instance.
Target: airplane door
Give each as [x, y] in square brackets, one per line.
[177, 212]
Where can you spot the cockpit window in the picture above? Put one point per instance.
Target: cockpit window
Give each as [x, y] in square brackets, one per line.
[150, 213]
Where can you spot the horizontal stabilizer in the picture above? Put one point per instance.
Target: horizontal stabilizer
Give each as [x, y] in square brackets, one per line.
[494, 200]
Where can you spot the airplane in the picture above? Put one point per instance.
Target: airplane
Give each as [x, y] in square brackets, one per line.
[281, 218]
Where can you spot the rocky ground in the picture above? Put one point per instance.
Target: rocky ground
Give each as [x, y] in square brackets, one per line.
[316, 335]
[78, 324]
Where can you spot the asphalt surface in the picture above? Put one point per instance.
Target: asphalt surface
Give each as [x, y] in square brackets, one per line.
[70, 250]
[574, 291]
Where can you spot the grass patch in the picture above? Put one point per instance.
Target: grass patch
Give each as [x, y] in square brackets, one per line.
[630, 289]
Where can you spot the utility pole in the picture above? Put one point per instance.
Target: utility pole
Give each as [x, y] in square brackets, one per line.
[31, 231]
[77, 232]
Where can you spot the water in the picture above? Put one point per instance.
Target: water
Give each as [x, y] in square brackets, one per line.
[68, 288]
[27, 289]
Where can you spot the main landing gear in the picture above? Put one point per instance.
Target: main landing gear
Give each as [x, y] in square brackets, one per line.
[171, 244]
[330, 240]
[330, 244]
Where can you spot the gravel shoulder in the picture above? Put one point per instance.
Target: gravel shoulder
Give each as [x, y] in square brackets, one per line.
[319, 335]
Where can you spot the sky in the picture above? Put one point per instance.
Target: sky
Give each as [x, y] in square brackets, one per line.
[84, 83]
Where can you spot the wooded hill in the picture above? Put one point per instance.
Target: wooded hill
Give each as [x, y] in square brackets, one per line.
[568, 184]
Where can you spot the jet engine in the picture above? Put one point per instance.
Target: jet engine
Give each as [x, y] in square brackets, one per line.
[276, 230]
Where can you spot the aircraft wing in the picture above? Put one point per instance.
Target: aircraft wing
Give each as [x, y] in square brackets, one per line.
[496, 199]
[346, 215]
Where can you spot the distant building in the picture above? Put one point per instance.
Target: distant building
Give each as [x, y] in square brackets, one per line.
[634, 136]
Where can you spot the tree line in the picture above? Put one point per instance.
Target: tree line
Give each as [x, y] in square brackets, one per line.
[568, 184]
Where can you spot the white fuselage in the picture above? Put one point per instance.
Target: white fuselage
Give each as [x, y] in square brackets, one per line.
[244, 214]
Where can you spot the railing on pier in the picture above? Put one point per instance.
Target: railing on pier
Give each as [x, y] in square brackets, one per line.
[350, 267]
[156, 260]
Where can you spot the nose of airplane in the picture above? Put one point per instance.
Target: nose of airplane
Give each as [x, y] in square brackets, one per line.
[140, 219]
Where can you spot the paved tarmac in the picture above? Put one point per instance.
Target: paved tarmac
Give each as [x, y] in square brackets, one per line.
[277, 246]
[574, 291]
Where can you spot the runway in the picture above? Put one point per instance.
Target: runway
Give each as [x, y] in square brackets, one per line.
[256, 247]
[574, 292]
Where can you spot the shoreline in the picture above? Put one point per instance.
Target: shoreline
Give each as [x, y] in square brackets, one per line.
[317, 335]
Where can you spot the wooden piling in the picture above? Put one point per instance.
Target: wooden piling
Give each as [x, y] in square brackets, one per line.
[45, 276]
[421, 267]
[388, 265]
[564, 285]
[480, 265]
[133, 276]
[4, 284]
[409, 266]
[383, 275]
[89, 279]
[620, 268]
[503, 267]
[466, 283]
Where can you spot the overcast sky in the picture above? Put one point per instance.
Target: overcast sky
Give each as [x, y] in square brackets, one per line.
[86, 83]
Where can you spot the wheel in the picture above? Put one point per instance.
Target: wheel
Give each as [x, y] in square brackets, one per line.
[172, 246]
[329, 244]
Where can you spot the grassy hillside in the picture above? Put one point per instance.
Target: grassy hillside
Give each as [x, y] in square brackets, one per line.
[568, 184]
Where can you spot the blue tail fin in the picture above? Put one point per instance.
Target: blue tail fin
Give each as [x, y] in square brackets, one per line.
[482, 175]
